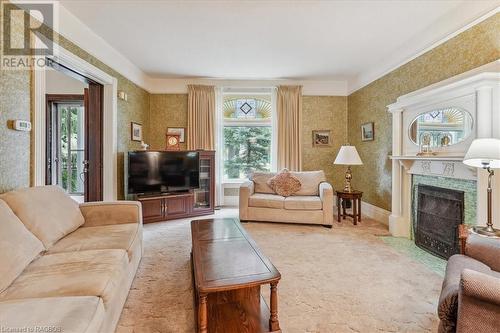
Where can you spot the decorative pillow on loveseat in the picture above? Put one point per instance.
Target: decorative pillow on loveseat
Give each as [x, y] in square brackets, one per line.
[284, 183]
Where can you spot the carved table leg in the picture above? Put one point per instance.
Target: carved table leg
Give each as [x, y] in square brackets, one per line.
[338, 209]
[202, 313]
[355, 211]
[359, 209]
[274, 324]
[343, 209]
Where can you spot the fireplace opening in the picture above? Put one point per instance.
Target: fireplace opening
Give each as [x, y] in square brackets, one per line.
[439, 212]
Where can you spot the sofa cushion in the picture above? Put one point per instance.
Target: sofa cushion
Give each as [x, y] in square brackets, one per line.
[47, 211]
[118, 236]
[260, 181]
[303, 202]
[310, 181]
[18, 246]
[266, 200]
[83, 273]
[448, 300]
[83, 314]
[284, 183]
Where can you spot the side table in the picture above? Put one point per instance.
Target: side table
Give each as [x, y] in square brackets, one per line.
[342, 198]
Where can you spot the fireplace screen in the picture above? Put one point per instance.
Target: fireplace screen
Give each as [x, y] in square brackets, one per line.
[439, 212]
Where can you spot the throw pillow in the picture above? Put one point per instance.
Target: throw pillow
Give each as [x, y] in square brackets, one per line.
[284, 183]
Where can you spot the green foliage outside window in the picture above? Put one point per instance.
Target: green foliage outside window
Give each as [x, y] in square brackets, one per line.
[70, 181]
[247, 149]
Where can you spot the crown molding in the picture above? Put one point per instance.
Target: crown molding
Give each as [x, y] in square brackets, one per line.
[393, 63]
[309, 87]
[81, 35]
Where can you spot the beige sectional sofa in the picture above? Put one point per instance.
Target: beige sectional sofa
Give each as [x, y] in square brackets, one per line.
[65, 267]
[312, 204]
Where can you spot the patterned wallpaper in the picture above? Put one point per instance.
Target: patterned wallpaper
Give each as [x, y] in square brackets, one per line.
[320, 112]
[324, 113]
[472, 48]
[166, 110]
[16, 104]
[14, 146]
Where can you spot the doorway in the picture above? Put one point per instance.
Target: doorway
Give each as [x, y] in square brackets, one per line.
[66, 143]
[74, 137]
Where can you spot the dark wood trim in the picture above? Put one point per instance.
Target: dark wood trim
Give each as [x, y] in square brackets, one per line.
[50, 100]
[63, 97]
[93, 142]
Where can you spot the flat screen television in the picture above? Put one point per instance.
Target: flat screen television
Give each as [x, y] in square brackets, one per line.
[152, 172]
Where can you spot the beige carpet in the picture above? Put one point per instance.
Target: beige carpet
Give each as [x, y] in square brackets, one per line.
[343, 279]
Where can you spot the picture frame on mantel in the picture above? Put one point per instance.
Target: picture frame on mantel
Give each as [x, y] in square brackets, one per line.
[321, 138]
[180, 131]
[135, 132]
[368, 132]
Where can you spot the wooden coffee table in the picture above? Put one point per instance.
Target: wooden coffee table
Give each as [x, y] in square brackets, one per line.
[228, 270]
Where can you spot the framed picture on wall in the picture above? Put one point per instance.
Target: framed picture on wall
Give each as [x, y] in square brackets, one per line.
[136, 132]
[180, 131]
[367, 132]
[321, 138]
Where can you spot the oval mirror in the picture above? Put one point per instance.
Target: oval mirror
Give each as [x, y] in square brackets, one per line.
[441, 127]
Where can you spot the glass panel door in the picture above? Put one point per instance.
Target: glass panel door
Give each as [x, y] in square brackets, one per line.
[202, 197]
[71, 149]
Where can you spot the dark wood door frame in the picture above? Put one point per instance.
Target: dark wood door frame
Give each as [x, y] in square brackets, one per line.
[51, 100]
[93, 142]
[93, 103]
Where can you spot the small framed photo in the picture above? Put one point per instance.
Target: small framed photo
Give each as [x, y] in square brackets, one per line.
[180, 131]
[367, 132]
[321, 138]
[136, 132]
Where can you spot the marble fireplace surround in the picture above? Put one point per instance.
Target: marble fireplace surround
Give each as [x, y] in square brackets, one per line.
[478, 92]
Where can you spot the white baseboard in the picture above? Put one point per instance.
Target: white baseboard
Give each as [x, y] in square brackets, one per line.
[378, 214]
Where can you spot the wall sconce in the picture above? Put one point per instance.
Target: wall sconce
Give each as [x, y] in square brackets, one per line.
[122, 95]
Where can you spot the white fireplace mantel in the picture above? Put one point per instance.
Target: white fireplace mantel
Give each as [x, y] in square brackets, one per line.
[441, 166]
[476, 91]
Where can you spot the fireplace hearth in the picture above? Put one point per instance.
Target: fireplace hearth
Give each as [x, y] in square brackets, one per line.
[439, 212]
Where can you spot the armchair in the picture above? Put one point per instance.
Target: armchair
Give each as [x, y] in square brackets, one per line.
[470, 296]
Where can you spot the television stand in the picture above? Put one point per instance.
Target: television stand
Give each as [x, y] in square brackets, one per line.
[183, 204]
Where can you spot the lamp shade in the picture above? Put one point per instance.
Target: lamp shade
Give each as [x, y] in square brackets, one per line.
[348, 155]
[483, 153]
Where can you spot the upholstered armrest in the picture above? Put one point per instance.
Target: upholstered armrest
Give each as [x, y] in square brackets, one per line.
[478, 302]
[484, 249]
[114, 212]
[326, 196]
[246, 190]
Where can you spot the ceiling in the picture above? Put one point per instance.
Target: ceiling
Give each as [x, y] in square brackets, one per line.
[297, 40]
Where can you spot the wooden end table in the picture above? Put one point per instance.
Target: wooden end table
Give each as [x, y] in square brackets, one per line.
[342, 198]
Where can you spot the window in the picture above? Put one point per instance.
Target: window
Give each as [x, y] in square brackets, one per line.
[247, 134]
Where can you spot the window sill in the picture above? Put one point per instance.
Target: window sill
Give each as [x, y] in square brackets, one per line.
[233, 181]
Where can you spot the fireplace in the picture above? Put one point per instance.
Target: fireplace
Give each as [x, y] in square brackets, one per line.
[439, 212]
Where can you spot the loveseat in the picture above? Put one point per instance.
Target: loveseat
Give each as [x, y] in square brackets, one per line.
[470, 295]
[65, 267]
[312, 204]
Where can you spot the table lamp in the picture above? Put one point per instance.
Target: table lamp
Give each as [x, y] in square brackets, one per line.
[348, 155]
[485, 153]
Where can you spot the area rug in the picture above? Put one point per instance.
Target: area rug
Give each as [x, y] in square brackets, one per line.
[344, 279]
